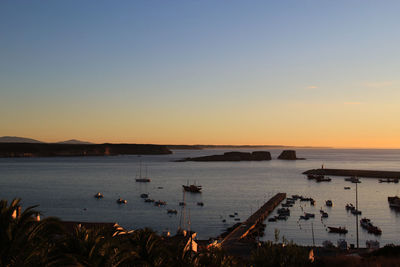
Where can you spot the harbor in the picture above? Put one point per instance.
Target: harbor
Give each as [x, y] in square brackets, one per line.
[228, 188]
[243, 229]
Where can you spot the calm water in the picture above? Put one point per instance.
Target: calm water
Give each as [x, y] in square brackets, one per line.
[64, 187]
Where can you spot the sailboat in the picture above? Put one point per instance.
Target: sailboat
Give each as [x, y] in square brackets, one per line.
[141, 179]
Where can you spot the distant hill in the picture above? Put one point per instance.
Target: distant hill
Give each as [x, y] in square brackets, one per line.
[75, 142]
[16, 139]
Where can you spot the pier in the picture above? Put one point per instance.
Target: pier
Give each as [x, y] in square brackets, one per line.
[240, 232]
[357, 173]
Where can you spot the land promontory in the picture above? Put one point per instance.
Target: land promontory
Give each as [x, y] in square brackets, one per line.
[289, 155]
[66, 150]
[234, 156]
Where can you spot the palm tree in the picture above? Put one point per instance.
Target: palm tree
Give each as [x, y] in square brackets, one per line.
[143, 248]
[92, 247]
[216, 258]
[25, 241]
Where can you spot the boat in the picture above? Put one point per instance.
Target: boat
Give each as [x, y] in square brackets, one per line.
[182, 204]
[160, 203]
[350, 206]
[338, 230]
[231, 215]
[237, 219]
[323, 179]
[284, 211]
[309, 215]
[324, 215]
[372, 229]
[193, 188]
[388, 180]
[272, 219]
[148, 200]
[121, 201]
[286, 205]
[346, 187]
[144, 195]
[312, 202]
[394, 202]
[172, 211]
[303, 217]
[281, 217]
[329, 203]
[356, 212]
[223, 220]
[353, 179]
[144, 179]
[98, 195]
[200, 204]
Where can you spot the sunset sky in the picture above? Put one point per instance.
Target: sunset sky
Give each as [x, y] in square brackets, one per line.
[306, 73]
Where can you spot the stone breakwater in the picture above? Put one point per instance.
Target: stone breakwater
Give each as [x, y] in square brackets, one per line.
[357, 173]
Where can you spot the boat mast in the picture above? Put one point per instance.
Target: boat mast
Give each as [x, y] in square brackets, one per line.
[357, 214]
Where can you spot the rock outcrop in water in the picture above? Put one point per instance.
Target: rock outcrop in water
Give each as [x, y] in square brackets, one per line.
[234, 156]
[289, 155]
[67, 150]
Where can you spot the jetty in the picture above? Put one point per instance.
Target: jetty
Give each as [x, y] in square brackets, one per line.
[357, 173]
[233, 239]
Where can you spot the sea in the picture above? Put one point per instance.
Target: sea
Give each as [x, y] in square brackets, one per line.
[64, 187]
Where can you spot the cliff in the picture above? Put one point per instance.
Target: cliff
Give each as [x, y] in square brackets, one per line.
[234, 156]
[289, 155]
[65, 150]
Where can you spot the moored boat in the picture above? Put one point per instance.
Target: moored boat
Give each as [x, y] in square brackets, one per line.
[193, 188]
[338, 230]
[329, 203]
[122, 201]
[98, 195]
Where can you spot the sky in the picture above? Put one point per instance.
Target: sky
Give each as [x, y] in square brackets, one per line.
[293, 72]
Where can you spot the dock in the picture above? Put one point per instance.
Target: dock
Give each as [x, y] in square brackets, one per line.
[233, 239]
[357, 173]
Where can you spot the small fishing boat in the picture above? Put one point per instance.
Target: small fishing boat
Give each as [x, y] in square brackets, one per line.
[148, 200]
[353, 179]
[284, 211]
[346, 187]
[388, 180]
[272, 219]
[200, 204]
[324, 215]
[329, 203]
[182, 204]
[237, 219]
[160, 203]
[144, 195]
[193, 188]
[121, 201]
[338, 230]
[98, 195]
[394, 202]
[356, 212]
[350, 207]
[281, 217]
[309, 215]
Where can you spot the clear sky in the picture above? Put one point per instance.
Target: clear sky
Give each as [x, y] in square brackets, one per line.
[318, 73]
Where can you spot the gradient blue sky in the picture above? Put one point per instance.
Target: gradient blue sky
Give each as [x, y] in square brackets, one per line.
[322, 73]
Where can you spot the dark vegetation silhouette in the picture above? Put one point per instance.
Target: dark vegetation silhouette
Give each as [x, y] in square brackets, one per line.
[27, 241]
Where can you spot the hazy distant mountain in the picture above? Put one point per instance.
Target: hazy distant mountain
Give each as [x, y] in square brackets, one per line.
[16, 139]
[75, 142]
